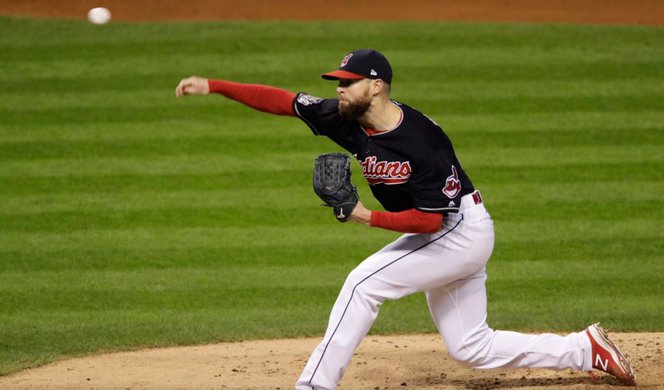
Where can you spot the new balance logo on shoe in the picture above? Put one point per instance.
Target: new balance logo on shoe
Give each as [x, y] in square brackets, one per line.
[607, 357]
[602, 365]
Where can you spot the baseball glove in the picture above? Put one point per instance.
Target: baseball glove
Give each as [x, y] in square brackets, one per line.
[332, 184]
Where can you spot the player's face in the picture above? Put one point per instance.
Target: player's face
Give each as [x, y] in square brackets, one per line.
[354, 97]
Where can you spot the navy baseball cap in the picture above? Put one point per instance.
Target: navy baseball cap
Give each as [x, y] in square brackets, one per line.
[362, 64]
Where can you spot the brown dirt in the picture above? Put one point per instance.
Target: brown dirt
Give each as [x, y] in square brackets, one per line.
[571, 11]
[382, 362]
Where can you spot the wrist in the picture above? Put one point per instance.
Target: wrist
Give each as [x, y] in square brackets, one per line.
[361, 215]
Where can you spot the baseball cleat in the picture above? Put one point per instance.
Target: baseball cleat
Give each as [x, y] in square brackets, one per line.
[607, 357]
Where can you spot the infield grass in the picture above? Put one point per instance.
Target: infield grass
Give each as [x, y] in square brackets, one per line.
[130, 219]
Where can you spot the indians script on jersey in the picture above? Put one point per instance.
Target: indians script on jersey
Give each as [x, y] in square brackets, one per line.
[385, 172]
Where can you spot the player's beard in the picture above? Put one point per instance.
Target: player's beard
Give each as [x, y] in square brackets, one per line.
[355, 110]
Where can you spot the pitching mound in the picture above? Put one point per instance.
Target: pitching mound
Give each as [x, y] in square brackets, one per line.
[381, 362]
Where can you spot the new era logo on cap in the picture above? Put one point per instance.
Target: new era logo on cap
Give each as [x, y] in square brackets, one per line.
[360, 64]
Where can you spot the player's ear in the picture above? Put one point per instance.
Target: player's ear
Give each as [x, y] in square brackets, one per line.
[378, 86]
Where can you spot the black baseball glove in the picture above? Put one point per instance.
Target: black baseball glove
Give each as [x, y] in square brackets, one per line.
[332, 184]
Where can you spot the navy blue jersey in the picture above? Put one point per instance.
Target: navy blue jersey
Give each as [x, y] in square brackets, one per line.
[410, 166]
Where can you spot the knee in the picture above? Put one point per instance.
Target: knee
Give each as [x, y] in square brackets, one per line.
[461, 354]
[471, 349]
[355, 278]
[353, 281]
[359, 284]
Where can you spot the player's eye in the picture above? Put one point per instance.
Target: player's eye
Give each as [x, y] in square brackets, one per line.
[345, 83]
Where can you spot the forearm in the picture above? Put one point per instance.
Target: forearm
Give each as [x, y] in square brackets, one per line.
[409, 221]
[263, 98]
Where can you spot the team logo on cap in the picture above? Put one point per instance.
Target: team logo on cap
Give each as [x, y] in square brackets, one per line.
[452, 184]
[344, 62]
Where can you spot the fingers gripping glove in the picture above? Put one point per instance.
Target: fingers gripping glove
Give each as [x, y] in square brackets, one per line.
[332, 184]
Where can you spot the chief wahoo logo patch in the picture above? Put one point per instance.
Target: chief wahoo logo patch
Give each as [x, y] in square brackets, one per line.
[452, 184]
[344, 62]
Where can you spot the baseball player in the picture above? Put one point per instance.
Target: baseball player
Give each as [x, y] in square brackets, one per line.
[414, 173]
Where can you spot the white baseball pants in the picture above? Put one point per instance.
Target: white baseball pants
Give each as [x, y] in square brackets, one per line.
[449, 266]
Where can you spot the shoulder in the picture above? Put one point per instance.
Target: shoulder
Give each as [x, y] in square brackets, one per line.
[306, 102]
[320, 114]
[420, 127]
[417, 117]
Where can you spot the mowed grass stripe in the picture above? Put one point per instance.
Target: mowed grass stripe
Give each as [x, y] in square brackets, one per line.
[241, 214]
[627, 226]
[561, 138]
[462, 35]
[458, 41]
[452, 105]
[218, 254]
[257, 126]
[552, 122]
[252, 213]
[276, 70]
[298, 180]
[223, 235]
[283, 196]
[209, 145]
[492, 56]
[572, 252]
[299, 194]
[198, 288]
[259, 182]
[211, 163]
[496, 49]
[271, 162]
[124, 288]
[453, 89]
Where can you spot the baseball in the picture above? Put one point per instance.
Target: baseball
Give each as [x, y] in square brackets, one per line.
[99, 15]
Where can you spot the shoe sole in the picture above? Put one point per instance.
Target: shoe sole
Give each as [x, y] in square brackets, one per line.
[601, 338]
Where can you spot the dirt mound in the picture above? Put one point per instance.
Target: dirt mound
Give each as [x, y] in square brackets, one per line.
[381, 362]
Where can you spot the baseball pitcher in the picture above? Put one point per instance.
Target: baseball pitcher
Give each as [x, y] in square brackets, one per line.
[413, 171]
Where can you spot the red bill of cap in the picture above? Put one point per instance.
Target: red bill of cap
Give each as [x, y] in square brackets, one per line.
[341, 74]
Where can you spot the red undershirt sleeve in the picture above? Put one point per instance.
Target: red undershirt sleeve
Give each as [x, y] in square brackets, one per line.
[263, 98]
[409, 221]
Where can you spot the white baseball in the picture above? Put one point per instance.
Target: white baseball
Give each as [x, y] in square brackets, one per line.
[99, 15]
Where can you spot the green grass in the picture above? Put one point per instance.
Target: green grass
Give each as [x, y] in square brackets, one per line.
[129, 218]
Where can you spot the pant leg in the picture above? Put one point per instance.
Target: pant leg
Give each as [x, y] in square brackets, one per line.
[459, 311]
[414, 262]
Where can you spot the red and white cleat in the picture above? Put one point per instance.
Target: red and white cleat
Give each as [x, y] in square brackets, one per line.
[607, 357]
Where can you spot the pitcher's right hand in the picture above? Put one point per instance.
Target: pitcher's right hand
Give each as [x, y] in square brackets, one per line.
[193, 85]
